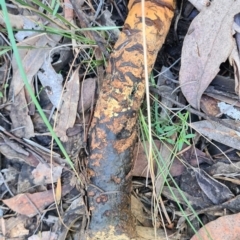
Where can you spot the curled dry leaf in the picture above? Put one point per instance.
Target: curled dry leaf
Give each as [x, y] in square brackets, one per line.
[203, 50]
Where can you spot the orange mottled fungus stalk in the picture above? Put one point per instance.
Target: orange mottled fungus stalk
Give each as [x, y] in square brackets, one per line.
[113, 130]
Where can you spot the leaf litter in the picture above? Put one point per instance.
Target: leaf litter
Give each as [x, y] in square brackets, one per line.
[33, 176]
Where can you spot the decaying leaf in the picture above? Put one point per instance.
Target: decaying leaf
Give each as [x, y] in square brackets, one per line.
[51, 81]
[32, 60]
[43, 174]
[87, 94]
[196, 202]
[229, 110]
[17, 21]
[214, 190]
[27, 24]
[224, 169]
[223, 228]
[209, 105]
[10, 152]
[69, 107]
[203, 50]
[140, 166]
[76, 210]
[218, 132]
[32, 204]
[21, 121]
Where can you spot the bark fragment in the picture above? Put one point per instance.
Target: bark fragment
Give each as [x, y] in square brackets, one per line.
[113, 131]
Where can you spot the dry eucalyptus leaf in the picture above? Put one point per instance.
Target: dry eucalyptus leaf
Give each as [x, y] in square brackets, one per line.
[43, 174]
[18, 21]
[51, 81]
[21, 121]
[32, 60]
[87, 94]
[27, 24]
[217, 192]
[229, 110]
[69, 107]
[31, 204]
[203, 50]
[218, 132]
[76, 210]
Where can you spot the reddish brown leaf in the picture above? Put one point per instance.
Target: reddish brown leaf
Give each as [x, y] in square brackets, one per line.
[223, 228]
[31, 204]
[140, 165]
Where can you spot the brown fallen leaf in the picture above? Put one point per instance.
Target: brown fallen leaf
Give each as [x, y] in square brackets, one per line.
[32, 60]
[87, 94]
[203, 50]
[21, 121]
[10, 152]
[43, 174]
[69, 107]
[218, 132]
[140, 166]
[17, 21]
[223, 228]
[76, 210]
[52, 82]
[177, 167]
[209, 105]
[216, 191]
[32, 204]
